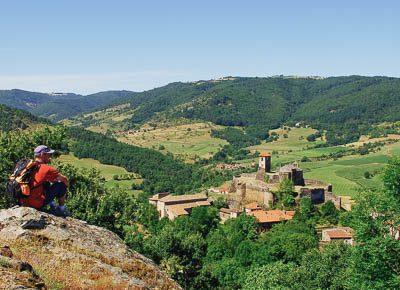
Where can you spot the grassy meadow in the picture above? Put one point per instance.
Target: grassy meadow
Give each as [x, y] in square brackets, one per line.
[346, 174]
[185, 140]
[106, 171]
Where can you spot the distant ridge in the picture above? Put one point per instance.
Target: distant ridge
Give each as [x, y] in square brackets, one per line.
[344, 106]
[57, 106]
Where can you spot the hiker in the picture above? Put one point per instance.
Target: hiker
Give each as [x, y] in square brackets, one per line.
[46, 185]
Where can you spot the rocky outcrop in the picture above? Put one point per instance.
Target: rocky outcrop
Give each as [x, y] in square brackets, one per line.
[16, 274]
[69, 254]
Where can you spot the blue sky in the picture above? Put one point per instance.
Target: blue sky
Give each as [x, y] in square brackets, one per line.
[89, 46]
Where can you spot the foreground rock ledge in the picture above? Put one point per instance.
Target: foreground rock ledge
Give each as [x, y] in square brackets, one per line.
[71, 254]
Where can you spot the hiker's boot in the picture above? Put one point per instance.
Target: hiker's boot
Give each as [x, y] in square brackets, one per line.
[61, 212]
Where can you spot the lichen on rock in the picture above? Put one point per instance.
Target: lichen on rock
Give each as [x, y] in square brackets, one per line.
[69, 253]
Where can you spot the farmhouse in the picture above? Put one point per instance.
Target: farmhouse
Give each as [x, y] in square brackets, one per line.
[173, 206]
[338, 234]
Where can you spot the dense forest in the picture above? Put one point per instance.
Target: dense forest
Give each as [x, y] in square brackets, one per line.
[201, 253]
[59, 106]
[11, 119]
[344, 106]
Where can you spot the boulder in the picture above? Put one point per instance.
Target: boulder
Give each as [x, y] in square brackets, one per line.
[71, 254]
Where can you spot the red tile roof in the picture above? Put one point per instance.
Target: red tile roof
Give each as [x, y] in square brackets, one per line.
[265, 154]
[252, 206]
[225, 210]
[272, 216]
[229, 210]
[181, 209]
[339, 234]
[185, 197]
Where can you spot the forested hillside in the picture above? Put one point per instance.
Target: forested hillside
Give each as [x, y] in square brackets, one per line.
[58, 106]
[344, 106]
[11, 119]
[160, 172]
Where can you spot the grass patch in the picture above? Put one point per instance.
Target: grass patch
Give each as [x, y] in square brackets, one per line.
[106, 171]
[186, 140]
[362, 160]
[295, 141]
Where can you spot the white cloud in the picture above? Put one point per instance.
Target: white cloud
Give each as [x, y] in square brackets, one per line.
[91, 83]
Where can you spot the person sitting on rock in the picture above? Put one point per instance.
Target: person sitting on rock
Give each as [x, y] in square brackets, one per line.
[47, 184]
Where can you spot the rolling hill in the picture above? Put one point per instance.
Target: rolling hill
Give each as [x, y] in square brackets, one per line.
[344, 106]
[58, 106]
[11, 119]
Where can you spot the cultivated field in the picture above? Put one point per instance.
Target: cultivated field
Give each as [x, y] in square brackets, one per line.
[295, 141]
[186, 140]
[347, 174]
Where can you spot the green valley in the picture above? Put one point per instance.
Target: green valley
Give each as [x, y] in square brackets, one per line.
[114, 176]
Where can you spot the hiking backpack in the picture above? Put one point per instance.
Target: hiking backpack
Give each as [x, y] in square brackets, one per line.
[18, 185]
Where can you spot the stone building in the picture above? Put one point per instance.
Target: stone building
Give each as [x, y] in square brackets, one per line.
[267, 218]
[260, 186]
[173, 206]
[155, 198]
[264, 162]
[338, 234]
[289, 171]
[228, 213]
[253, 206]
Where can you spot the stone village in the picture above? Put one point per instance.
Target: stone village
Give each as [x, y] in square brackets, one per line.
[254, 194]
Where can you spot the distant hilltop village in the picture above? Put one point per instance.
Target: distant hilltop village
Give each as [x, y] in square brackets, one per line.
[232, 78]
[57, 94]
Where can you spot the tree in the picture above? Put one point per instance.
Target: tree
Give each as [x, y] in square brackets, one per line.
[391, 177]
[329, 213]
[287, 242]
[367, 175]
[307, 211]
[286, 193]
[311, 138]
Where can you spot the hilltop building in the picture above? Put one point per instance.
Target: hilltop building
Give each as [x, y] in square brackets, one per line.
[173, 206]
[261, 186]
[264, 163]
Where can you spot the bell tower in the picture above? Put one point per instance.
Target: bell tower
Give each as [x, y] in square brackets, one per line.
[264, 162]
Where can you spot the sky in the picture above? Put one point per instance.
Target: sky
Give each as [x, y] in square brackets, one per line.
[88, 46]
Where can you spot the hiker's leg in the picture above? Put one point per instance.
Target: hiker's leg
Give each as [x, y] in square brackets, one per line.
[57, 189]
[61, 199]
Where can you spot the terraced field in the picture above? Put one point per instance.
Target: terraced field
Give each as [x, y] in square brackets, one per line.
[187, 140]
[345, 174]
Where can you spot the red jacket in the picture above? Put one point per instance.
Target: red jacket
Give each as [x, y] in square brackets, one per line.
[44, 173]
